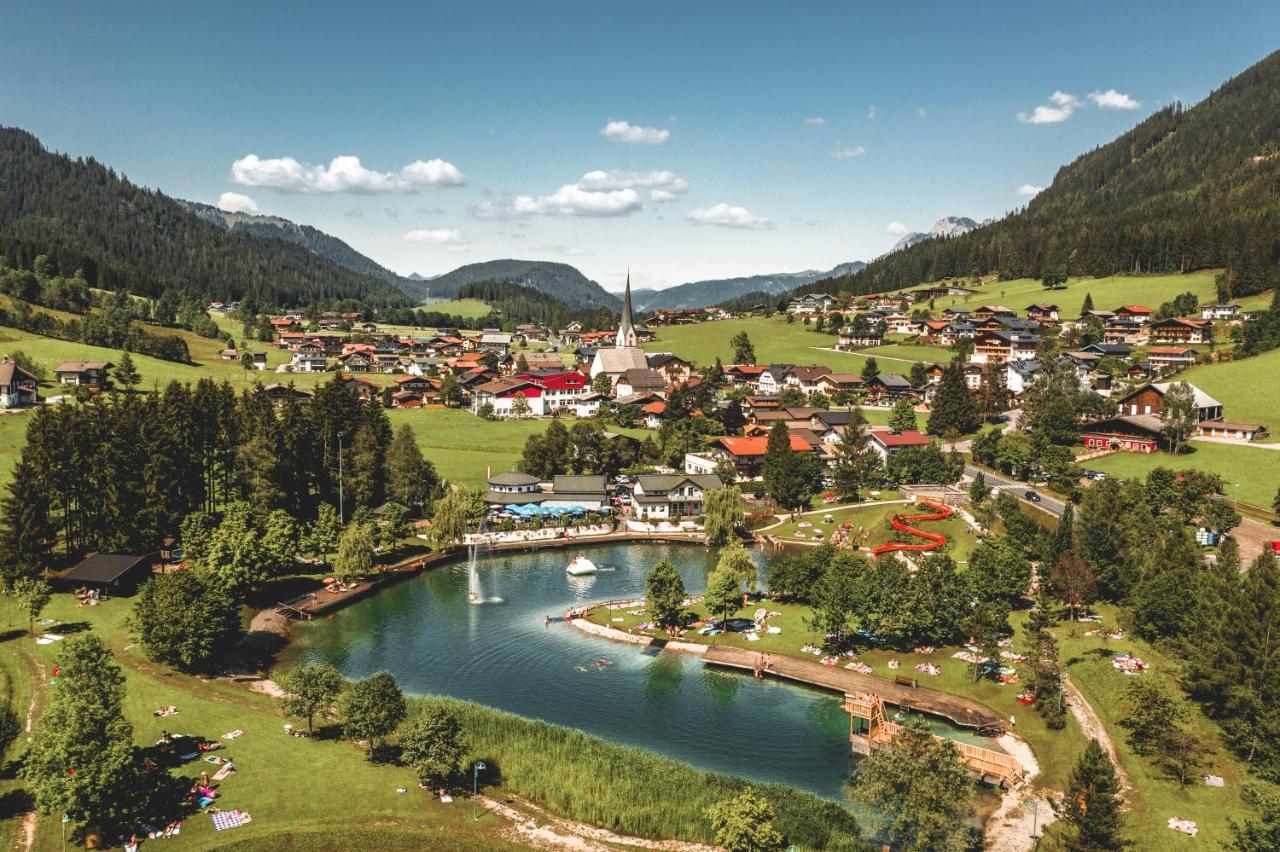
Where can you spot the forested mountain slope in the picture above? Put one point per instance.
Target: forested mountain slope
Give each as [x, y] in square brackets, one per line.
[82, 215]
[1185, 189]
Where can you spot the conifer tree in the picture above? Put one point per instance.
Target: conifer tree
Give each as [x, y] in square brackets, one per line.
[954, 408]
[1090, 805]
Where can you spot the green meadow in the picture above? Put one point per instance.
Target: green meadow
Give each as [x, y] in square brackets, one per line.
[1108, 293]
[1249, 389]
[1252, 473]
[466, 308]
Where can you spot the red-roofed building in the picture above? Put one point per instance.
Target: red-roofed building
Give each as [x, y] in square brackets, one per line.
[503, 394]
[653, 414]
[1137, 313]
[748, 453]
[888, 444]
[561, 390]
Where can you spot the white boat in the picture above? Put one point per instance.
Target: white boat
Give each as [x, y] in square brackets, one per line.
[581, 566]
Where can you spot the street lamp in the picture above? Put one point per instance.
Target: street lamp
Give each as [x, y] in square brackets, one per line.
[475, 786]
[1035, 814]
[341, 509]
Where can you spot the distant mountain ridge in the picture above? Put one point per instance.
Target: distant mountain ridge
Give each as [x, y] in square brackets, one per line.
[312, 239]
[701, 294]
[560, 280]
[947, 226]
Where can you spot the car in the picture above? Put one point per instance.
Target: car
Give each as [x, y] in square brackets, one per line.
[1032, 496]
[1096, 475]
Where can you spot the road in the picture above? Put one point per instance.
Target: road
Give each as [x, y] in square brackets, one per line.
[1052, 505]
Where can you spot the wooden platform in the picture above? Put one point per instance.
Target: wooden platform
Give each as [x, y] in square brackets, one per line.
[961, 711]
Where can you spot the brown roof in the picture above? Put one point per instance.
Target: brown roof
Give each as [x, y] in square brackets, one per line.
[81, 366]
[9, 369]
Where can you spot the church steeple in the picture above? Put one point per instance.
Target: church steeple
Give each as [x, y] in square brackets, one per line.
[626, 329]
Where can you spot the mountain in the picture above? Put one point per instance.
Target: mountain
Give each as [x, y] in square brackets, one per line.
[84, 216]
[701, 294]
[947, 226]
[557, 279]
[313, 240]
[1185, 189]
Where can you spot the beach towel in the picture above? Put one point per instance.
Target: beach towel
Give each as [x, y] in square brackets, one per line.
[226, 770]
[230, 819]
[233, 734]
[1186, 826]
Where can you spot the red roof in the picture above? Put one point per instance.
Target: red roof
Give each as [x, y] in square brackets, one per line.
[743, 447]
[561, 381]
[1134, 309]
[655, 407]
[1169, 350]
[909, 438]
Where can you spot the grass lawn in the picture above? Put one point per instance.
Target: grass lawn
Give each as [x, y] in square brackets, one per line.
[1246, 388]
[1055, 750]
[927, 354]
[775, 341]
[1254, 469]
[13, 435]
[1108, 293]
[467, 308]
[874, 520]
[1155, 798]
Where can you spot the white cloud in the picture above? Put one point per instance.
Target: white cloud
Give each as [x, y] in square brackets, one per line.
[663, 185]
[343, 174]
[896, 228]
[434, 237]
[1111, 99]
[234, 202]
[815, 121]
[922, 112]
[598, 193]
[727, 216]
[871, 112]
[848, 153]
[633, 134]
[1029, 190]
[1060, 107]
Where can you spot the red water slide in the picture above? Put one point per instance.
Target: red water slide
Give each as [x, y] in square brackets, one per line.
[934, 540]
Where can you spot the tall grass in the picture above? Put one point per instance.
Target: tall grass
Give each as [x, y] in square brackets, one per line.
[629, 790]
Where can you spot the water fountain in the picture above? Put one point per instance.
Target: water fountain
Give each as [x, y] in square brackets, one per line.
[473, 578]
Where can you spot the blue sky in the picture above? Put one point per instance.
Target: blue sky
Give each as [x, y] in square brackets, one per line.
[686, 140]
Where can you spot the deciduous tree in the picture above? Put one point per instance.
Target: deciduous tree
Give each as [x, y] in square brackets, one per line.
[665, 594]
[434, 745]
[745, 824]
[184, 621]
[309, 690]
[372, 709]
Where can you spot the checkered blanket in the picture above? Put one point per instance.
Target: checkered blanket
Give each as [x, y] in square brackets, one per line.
[230, 819]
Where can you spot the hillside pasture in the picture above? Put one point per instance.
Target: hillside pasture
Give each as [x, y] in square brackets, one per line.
[1246, 388]
[1251, 473]
[1108, 293]
[467, 308]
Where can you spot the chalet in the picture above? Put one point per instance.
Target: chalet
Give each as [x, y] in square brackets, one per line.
[1128, 331]
[588, 404]
[833, 383]
[973, 376]
[560, 388]
[900, 323]
[1100, 316]
[1131, 433]
[806, 379]
[280, 394]
[1137, 313]
[1042, 314]
[1000, 347]
[407, 399]
[1018, 375]
[673, 368]
[309, 358]
[1149, 399]
[809, 304]
[888, 444]
[747, 454]
[823, 421]
[986, 312]
[504, 394]
[888, 387]
[932, 330]
[91, 374]
[228, 354]
[1232, 431]
[1171, 356]
[743, 375]
[110, 573]
[541, 361]
[773, 379]
[415, 384]
[653, 412]
[495, 342]
[849, 339]
[639, 379]
[668, 496]
[513, 488]
[259, 360]
[1220, 312]
[18, 388]
[1182, 330]
[1108, 350]
[752, 404]
[364, 389]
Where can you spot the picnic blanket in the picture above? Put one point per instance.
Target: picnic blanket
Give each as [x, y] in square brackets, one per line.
[230, 819]
[233, 734]
[1186, 826]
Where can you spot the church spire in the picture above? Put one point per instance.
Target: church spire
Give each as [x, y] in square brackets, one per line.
[626, 328]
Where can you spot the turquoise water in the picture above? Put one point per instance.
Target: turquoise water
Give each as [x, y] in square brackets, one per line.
[503, 655]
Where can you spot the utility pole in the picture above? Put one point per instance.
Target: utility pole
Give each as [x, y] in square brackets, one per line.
[342, 519]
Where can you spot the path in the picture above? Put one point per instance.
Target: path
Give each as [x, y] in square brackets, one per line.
[31, 820]
[840, 507]
[961, 711]
[1023, 812]
[869, 353]
[1092, 728]
[533, 825]
[1253, 537]
[1230, 442]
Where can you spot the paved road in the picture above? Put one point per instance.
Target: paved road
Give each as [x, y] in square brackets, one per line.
[1052, 505]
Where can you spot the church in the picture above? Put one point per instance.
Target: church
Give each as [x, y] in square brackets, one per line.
[624, 355]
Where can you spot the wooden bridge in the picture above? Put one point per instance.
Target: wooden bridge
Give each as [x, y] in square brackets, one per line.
[868, 729]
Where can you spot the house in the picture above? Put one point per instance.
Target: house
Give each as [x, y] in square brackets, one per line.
[513, 488]
[1171, 356]
[1220, 312]
[578, 492]
[1119, 330]
[888, 444]
[588, 404]
[495, 342]
[18, 388]
[309, 357]
[809, 304]
[900, 323]
[747, 454]
[850, 339]
[740, 375]
[415, 384]
[541, 361]
[110, 573]
[560, 388]
[1018, 375]
[888, 387]
[505, 396]
[806, 379]
[1131, 433]
[1043, 314]
[1149, 399]
[639, 380]
[773, 379]
[653, 412]
[1182, 330]
[364, 389]
[259, 360]
[833, 383]
[986, 312]
[613, 362]
[1232, 431]
[1001, 346]
[92, 374]
[1108, 350]
[280, 394]
[673, 368]
[1138, 313]
[667, 496]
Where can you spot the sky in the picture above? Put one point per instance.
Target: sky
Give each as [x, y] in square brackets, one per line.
[681, 140]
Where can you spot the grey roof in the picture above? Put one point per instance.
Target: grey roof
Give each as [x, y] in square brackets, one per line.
[592, 485]
[103, 568]
[621, 359]
[1203, 400]
[662, 482]
[834, 418]
[515, 498]
[643, 377]
[893, 380]
[1113, 349]
[514, 477]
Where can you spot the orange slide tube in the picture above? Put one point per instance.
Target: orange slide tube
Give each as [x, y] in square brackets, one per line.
[933, 540]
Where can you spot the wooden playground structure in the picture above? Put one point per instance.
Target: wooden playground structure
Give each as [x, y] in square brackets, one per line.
[868, 729]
